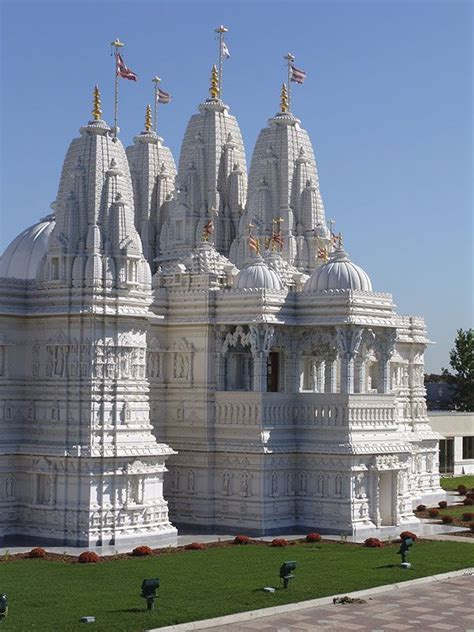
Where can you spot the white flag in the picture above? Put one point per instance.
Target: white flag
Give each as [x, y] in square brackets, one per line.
[225, 50]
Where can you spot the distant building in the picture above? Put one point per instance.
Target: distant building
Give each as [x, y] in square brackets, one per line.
[439, 395]
[456, 449]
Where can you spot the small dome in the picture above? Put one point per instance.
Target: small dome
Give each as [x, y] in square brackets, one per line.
[23, 256]
[339, 273]
[257, 275]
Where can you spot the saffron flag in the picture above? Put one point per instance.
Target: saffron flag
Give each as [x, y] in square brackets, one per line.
[253, 244]
[277, 239]
[208, 228]
[123, 71]
[297, 75]
[163, 97]
[225, 50]
[322, 254]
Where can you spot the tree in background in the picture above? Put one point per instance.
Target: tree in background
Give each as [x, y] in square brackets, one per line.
[461, 360]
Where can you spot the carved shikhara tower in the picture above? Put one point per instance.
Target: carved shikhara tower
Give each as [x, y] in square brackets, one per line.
[281, 390]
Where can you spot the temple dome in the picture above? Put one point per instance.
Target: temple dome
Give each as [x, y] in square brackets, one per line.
[22, 257]
[257, 275]
[339, 273]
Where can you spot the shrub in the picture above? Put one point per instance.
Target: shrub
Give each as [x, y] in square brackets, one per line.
[442, 504]
[194, 546]
[37, 552]
[433, 513]
[470, 495]
[421, 508]
[471, 527]
[140, 551]
[278, 542]
[242, 539]
[468, 501]
[313, 537]
[408, 534]
[373, 543]
[447, 519]
[468, 516]
[88, 557]
[462, 490]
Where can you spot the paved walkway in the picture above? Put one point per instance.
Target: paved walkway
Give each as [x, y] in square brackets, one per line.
[438, 606]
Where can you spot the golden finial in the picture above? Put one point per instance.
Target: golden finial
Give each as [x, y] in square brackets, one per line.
[214, 89]
[96, 112]
[148, 120]
[284, 98]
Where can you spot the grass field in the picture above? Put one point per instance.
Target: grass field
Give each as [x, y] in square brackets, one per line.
[52, 596]
[456, 511]
[450, 484]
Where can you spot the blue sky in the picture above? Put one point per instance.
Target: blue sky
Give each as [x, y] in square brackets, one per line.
[387, 103]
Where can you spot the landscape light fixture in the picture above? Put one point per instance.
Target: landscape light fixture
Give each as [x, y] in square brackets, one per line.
[3, 606]
[286, 572]
[149, 588]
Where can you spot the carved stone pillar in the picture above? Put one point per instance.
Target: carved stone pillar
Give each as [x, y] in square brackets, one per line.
[330, 378]
[320, 370]
[261, 338]
[360, 374]
[349, 340]
[260, 372]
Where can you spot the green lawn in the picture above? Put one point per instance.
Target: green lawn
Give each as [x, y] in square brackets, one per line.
[456, 511]
[450, 484]
[52, 596]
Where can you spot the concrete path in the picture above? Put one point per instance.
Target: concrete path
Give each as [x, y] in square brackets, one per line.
[443, 605]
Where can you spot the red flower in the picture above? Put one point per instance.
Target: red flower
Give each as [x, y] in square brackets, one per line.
[313, 537]
[447, 519]
[194, 546]
[373, 543]
[140, 551]
[242, 539]
[408, 534]
[88, 557]
[279, 542]
[37, 552]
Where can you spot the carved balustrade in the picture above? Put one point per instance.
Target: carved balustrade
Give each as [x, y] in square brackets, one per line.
[357, 411]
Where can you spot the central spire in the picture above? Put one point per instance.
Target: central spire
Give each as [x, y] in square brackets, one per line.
[214, 89]
[96, 112]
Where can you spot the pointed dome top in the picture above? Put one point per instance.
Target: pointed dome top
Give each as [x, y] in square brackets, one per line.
[339, 273]
[257, 275]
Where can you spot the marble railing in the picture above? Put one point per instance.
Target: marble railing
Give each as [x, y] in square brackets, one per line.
[305, 409]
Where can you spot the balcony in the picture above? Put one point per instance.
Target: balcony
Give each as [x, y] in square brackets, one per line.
[355, 411]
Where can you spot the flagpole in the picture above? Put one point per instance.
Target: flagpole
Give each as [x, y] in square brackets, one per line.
[156, 81]
[116, 45]
[289, 59]
[220, 31]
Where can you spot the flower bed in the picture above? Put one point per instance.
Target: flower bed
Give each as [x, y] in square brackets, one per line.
[195, 546]
[279, 542]
[37, 552]
[373, 543]
[313, 537]
[88, 557]
[408, 534]
[242, 539]
[140, 551]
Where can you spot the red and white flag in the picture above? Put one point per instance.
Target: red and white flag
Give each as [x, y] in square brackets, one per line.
[254, 244]
[277, 239]
[163, 97]
[123, 70]
[297, 75]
